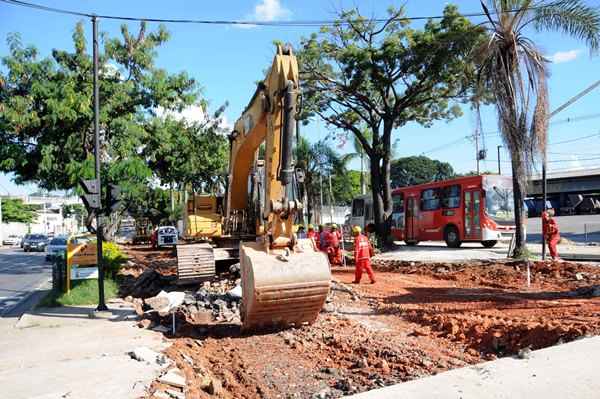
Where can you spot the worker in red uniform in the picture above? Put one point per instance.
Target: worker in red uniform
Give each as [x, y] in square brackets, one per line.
[362, 256]
[333, 246]
[550, 231]
[312, 234]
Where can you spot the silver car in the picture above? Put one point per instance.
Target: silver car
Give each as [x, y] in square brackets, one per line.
[12, 240]
[56, 247]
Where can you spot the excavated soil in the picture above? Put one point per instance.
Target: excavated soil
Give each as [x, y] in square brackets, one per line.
[417, 320]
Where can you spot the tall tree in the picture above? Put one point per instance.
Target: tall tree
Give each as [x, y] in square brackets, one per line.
[46, 118]
[360, 72]
[409, 171]
[515, 70]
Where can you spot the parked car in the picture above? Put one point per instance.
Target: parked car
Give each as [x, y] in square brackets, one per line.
[12, 240]
[35, 242]
[164, 236]
[56, 247]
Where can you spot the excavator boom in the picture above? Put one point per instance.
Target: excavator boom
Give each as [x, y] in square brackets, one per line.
[284, 281]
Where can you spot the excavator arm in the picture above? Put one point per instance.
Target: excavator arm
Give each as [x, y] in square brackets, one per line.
[268, 119]
[284, 281]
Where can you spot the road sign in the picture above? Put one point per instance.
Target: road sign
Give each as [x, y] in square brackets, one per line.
[82, 261]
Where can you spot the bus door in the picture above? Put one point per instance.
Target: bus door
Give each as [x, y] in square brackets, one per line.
[412, 220]
[472, 214]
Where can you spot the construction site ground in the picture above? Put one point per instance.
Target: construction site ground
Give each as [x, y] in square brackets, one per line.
[419, 319]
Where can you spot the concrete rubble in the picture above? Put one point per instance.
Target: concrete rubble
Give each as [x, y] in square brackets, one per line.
[173, 377]
[143, 354]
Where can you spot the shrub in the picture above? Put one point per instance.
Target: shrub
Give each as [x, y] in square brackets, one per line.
[113, 258]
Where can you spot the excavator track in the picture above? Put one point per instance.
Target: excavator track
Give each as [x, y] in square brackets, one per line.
[195, 263]
[279, 290]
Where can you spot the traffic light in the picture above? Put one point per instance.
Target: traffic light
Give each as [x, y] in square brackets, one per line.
[114, 198]
[91, 196]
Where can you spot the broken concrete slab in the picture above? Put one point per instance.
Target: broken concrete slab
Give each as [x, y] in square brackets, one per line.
[173, 377]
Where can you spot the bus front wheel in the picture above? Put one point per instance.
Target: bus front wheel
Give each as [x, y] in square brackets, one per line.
[452, 237]
[489, 244]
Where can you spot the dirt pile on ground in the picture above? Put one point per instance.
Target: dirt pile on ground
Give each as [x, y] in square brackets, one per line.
[418, 320]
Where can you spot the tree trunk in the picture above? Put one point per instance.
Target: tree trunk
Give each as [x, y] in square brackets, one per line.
[519, 192]
[377, 190]
[363, 186]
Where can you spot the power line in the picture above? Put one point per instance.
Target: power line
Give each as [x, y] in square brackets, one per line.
[298, 23]
[576, 139]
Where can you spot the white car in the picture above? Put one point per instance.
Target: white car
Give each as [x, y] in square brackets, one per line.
[166, 235]
[12, 240]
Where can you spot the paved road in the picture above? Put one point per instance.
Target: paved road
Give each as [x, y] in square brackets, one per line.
[571, 227]
[20, 275]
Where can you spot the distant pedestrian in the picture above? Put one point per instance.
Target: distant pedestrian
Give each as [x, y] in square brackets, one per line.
[551, 232]
[362, 256]
[322, 238]
[301, 233]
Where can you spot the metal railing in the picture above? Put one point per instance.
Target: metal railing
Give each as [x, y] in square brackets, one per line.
[591, 232]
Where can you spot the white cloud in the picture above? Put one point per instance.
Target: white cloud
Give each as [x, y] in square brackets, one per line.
[193, 113]
[267, 11]
[271, 10]
[564, 56]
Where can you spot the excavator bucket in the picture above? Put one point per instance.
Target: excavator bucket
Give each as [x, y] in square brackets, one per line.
[280, 290]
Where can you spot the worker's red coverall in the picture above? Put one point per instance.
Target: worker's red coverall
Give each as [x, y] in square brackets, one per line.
[333, 248]
[362, 258]
[551, 233]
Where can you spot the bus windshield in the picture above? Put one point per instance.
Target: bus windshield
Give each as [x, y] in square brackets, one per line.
[499, 201]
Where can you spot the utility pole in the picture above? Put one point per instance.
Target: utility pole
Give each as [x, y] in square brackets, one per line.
[499, 170]
[477, 149]
[99, 224]
[330, 201]
[545, 158]
[321, 192]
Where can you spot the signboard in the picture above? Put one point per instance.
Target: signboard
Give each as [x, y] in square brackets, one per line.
[82, 254]
[84, 273]
[82, 259]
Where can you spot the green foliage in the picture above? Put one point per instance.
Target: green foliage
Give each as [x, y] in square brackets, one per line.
[83, 292]
[14, 210]
[361, 73]
[46, 123]
[409, 171]
[113, 258]
[319, 160]
[155, 205]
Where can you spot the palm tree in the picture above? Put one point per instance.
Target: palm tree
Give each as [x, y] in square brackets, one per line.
[515, 71]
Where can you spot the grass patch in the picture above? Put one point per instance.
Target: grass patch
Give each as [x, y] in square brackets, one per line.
[83, 292]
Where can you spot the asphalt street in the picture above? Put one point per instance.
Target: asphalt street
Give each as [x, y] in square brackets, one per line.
[21, 274]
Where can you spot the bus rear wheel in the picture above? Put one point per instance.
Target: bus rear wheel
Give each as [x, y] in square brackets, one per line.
[452, 237]
[411, 243]
[489, 243]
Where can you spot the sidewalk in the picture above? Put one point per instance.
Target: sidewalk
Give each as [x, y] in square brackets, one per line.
[62, 353]
[437, 251]
[564, 371]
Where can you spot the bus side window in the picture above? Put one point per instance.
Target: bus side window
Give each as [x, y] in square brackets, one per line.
[398, 211]
[358, 208]
[430, 199]
[451, 196]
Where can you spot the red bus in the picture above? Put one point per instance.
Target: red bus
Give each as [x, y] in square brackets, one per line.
[466, 209]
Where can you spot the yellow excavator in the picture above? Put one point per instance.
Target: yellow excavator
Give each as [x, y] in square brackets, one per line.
[285, 280]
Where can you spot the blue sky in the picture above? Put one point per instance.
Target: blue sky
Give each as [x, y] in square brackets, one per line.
[227, 61]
